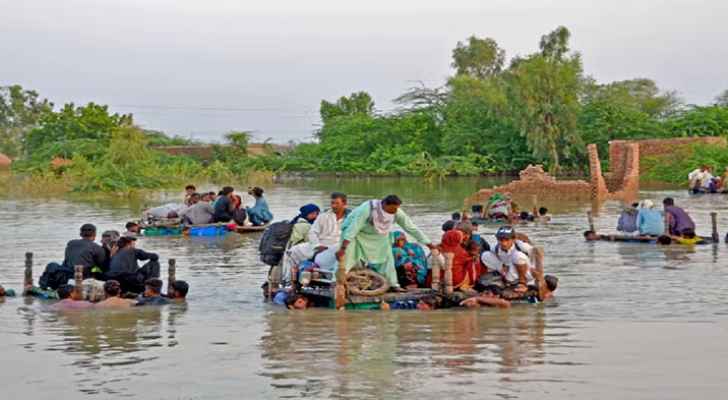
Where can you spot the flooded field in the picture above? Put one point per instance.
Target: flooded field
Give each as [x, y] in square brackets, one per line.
[629, 320]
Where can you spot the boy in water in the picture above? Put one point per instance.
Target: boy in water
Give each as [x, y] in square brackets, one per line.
[113, 299]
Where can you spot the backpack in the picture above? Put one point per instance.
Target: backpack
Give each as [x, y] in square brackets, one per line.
[274, 241]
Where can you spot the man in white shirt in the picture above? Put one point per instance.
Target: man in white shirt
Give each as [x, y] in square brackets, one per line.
[512, 258]
[700, 178]
[323, 238]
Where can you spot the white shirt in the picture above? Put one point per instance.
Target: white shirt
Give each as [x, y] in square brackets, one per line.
[510, 259]
[326, 230]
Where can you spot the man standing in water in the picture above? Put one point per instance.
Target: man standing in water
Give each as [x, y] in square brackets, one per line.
[365, 236]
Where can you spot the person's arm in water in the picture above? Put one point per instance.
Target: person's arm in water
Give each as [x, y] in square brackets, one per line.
[485, 300]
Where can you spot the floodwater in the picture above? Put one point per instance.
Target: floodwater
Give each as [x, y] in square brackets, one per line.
[630, 321]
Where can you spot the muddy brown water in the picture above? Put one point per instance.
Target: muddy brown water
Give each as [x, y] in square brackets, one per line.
[629, 320]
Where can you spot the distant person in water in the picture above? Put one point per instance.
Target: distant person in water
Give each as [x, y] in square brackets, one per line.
[678, 219]
[259, 214]
[125, 268]
[297, 302]
[112, 289]
[543, 215]
[68, 303]
[179, 291]
[224, 205]
[152, 295]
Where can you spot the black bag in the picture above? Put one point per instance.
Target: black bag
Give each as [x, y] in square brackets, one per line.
[273, 243]
[239, 216]
[54, 276]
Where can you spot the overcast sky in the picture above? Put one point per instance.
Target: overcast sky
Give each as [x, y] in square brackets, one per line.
[200, 68]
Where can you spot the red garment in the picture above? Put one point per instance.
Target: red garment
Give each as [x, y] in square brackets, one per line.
[464, 268]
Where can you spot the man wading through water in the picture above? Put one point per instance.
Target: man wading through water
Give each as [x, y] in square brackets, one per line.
[365, 236]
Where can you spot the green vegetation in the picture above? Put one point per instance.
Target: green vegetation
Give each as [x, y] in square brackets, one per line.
[674, 168]
[489, 118]
[493, 116]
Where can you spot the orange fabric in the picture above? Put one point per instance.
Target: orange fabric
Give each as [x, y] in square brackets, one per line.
[465, 271]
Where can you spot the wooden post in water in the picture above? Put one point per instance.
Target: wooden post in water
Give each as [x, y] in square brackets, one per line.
[436, 258]
[714, 224]
[340, 293]
[294, 277]
[28, 278]
[171, 277]
[590, 217]
[448, 273]
[274, 281]
[78, 285]
[538, 256]
[667, 224]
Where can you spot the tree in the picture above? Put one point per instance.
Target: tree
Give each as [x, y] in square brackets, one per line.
[20, 111]
[722, 99]
[479, 58]
[239, 140]
[641, 94]
[72, 124]
[544, 97]
[555, 44]
[356, 103]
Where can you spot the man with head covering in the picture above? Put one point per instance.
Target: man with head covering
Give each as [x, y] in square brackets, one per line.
[298, 248]
[649, 221]
[365, 236]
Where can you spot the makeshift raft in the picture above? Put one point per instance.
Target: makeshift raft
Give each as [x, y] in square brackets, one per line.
[343, 292]
[174, 227]
[713, 238]
[80, 290]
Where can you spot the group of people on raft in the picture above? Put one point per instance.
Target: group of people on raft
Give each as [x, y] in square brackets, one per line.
[366, 236]
[702, 180]
[643, 221]
[111, 266]
[209, 207]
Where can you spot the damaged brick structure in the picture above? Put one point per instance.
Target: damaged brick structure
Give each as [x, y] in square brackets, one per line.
[622, 183]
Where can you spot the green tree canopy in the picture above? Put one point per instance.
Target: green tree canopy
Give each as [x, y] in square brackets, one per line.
[356, 103]
[479, 58]
[544, 98]
[20, 111]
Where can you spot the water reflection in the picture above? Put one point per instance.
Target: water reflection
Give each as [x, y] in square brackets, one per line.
[107, 346]
[380, 354]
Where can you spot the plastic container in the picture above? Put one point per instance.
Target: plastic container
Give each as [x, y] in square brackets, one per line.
[208, 231]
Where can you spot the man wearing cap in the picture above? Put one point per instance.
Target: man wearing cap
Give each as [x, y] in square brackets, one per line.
[511, 257]
[84, 252]
[125, 269]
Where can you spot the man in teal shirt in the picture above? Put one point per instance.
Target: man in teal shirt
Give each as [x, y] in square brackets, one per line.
[365, 236]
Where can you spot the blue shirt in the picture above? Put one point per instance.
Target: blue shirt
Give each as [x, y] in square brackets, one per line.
[650, 222]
